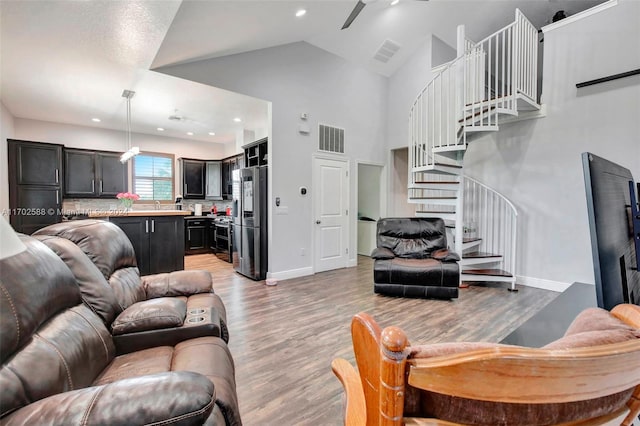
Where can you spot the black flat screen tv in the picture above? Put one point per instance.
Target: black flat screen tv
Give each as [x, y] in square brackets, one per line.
[611, 202]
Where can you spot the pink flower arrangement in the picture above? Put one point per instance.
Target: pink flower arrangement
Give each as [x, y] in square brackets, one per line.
[127, 198]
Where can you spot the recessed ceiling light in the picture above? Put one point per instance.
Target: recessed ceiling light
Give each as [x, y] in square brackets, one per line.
[95, 120]
[394, 2]
[237, 120]
[300, 13]
[190, 133]
[212, 133]
[160, 129]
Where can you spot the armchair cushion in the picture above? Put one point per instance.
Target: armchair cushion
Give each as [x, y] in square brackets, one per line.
[183, 398]
[593, 319]
[593, 327]
[412, 238]
[164, 312]
[382, 253]
[178, 283]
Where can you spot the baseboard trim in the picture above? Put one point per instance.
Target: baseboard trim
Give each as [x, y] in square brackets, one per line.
[352, 262]
[292, 273]
[542, 283]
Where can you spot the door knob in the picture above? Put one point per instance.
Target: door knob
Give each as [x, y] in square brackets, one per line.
[318, 222]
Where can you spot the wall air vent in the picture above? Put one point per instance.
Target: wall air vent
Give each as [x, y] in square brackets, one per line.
[386, 51]
[331, 139]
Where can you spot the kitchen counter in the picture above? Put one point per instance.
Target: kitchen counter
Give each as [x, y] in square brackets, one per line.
[138, 213]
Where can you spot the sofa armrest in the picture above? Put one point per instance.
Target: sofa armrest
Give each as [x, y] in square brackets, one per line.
[165, 398]
[444, 255]
[162, 312]
[382, 253]
[178, 283]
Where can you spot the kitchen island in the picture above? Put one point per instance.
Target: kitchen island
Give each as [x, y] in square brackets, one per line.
[157, 236]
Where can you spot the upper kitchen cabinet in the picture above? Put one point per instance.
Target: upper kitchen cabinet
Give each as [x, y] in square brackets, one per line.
[255, 153]
[214, 180]
[36, 163]
[35, 196]
[193, 178]
[93, 174]
[228, 166]
[112, 174]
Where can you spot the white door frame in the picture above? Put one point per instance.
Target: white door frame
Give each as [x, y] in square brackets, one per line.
[353, 220]
[314, 186]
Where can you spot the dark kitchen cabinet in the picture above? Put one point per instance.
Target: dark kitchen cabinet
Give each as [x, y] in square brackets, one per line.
[157, 240]
[80, 172]
[228, 166]
[193, 178]
[35, 190]
[112, 174]
[255, 154]
[196, 235]
[93, 174]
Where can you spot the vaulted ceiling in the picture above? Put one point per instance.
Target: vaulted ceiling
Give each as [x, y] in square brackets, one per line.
[69, 61]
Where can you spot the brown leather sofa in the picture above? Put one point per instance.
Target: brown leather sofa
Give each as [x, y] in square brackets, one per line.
[412, 260]
[59, 363]
[140, 312]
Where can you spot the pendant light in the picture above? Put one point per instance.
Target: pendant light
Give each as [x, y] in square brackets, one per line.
[132, 151]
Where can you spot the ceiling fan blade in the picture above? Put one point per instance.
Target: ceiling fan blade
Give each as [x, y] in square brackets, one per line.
[354, 14]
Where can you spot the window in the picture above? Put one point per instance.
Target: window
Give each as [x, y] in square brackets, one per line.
[153, 176]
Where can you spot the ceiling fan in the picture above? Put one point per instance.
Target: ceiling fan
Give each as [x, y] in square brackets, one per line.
[358, 8]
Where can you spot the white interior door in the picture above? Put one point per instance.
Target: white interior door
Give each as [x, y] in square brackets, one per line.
[331, 205]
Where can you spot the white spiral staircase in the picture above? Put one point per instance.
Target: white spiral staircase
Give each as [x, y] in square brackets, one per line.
[488, 81]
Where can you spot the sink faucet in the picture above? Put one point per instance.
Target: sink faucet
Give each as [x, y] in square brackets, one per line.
[157, 203]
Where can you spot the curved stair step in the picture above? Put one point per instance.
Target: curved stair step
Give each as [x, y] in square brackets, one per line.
[479, 255]
[486, 275]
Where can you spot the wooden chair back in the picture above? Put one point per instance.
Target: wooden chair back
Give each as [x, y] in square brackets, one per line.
[376, 395]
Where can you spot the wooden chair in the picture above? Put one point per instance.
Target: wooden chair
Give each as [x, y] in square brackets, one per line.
[377, 394]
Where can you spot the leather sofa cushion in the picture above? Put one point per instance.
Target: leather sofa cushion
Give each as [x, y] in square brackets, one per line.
[178, 283]
[104, 242]
[163, 312]
[95, 289]
[419, 272]
[126, 285]
[208, 356]
[34, 286]
[182, 398]
[109, 248]
[414, 238]
[65, 353]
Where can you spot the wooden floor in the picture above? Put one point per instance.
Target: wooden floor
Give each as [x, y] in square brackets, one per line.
[284, 337]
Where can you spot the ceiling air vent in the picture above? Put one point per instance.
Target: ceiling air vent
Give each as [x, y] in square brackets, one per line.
[386, 51]
[331, 139]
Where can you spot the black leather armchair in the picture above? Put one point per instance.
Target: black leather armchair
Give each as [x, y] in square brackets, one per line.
[412, 259]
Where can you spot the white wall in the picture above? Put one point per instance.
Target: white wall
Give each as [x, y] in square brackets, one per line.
[404, 86]
[299, 78]
[441, 52]
[6, 132]
[537, 163]
[113, 140]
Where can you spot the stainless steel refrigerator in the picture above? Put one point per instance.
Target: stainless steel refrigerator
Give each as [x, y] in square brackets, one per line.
[249, 211]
